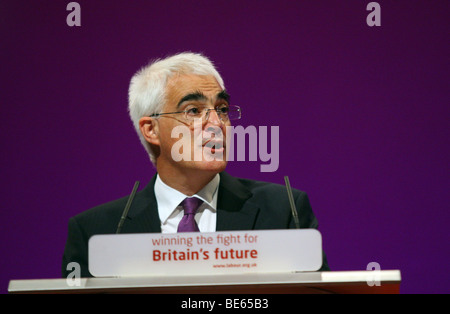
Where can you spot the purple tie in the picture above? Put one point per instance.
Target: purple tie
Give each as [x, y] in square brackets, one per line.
[190, 206]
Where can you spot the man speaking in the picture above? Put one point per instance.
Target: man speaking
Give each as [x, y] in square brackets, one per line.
[190, 192]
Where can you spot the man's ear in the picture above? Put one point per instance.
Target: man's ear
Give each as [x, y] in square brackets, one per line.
[150, 130]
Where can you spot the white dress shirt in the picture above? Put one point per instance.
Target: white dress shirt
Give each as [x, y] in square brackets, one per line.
[170, 212]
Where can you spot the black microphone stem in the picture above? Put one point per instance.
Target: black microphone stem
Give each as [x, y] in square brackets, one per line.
[291, 201]
[127, 207]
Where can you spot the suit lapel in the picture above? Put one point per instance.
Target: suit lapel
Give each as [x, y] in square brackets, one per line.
[234, 212]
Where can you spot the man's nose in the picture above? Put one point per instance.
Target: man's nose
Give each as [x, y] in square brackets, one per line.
[213, 117]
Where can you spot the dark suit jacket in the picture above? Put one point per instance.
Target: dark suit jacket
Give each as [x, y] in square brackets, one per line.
[241, 205]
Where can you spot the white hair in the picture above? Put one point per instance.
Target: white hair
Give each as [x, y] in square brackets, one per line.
[147, 91]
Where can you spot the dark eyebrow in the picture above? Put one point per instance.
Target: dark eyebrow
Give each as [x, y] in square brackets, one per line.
[223, 95]
[200, 96]
[192, 96]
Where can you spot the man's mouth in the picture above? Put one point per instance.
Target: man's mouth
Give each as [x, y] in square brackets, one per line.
[214, 145]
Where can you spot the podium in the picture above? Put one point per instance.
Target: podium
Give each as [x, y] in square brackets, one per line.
[337, 282]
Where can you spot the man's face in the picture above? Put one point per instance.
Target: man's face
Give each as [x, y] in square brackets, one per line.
[206, 138]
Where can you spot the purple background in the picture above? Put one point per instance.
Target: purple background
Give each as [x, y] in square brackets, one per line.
[363, 115]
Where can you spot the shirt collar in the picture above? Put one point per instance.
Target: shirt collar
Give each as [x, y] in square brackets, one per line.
[168, 198]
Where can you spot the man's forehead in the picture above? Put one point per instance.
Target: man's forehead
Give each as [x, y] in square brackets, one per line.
[192, 82]
[181, 85]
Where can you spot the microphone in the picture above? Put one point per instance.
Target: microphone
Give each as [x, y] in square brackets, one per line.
[291, 201]
[127, 207]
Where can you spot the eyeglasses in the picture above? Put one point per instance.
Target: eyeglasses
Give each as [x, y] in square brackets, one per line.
[224, 112]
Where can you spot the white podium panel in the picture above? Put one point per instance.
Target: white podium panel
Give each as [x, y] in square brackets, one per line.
[180, 254]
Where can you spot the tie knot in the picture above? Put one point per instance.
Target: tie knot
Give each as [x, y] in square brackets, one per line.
[191, 204]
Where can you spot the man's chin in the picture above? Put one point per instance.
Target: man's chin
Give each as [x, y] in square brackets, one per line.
[214, 166]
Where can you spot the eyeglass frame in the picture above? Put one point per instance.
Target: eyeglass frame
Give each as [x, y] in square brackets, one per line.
[208, 110]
